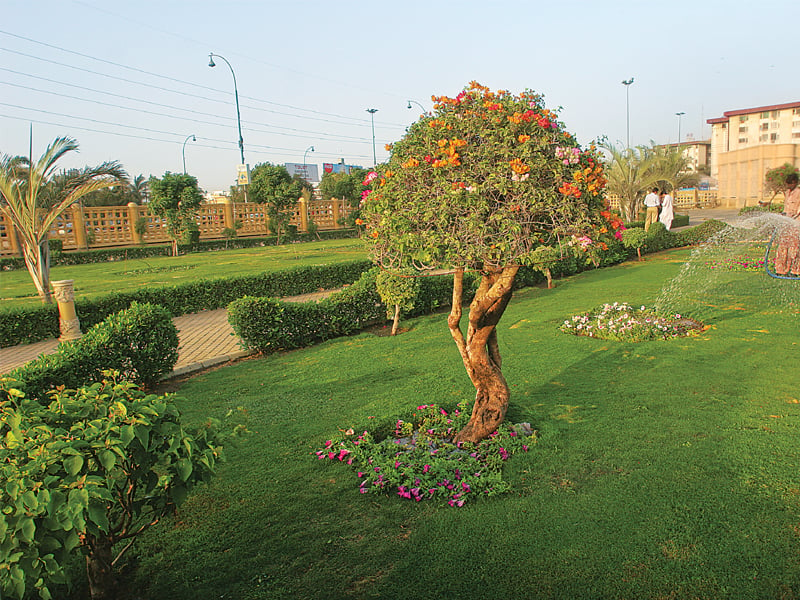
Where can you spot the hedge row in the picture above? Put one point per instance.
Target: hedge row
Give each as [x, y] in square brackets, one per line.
[141, 342]
[83, 257]
[267, 324]
[31, 324]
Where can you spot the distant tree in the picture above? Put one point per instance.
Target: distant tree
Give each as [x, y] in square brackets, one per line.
[347, 187]
[273, 186]
[175, 198]
[670, 167]
[34, 194]
[138, 190]
[775, 180]
[629, 173]
[237, 193]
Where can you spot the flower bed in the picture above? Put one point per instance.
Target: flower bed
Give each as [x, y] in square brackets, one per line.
[623, 323]
[419, 461]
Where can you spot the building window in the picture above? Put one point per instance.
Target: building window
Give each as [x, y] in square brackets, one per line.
[774, 114]
[796, 111]
[743, 129]
[765, 115]
[763, 127]
[796, 135]
[743, 140]
[743, 119]
[773, 137]
[763, 137]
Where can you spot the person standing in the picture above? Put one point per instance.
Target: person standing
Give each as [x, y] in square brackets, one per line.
[651, 201]
[666, 215]
[787, 257]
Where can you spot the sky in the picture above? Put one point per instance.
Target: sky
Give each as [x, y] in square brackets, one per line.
[130, 81]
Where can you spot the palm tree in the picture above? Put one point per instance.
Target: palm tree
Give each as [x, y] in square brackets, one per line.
[670, 167]
[629, 174]
[33, 195]
[138, 189]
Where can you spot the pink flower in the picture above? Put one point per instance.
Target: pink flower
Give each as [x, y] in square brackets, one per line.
[426, 468]
[371, 176]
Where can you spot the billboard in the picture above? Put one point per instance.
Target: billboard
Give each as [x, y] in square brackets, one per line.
[243, 175]
[339, 167]
[306, 171]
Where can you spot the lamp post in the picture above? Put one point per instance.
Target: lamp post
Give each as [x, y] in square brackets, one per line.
[305, 170]
[372, 112]
[679, 115]
[211, 63]
[424, 112]
[183, 152]
[627, 83]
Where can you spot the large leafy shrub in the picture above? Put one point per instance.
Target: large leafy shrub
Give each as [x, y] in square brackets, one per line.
[87, 472]
[141, 342]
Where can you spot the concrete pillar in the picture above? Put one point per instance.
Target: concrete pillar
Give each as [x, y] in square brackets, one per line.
[69, 325]
[79, 227]
[227, 212]
[302, 205]
[133, 217]
[336, 206]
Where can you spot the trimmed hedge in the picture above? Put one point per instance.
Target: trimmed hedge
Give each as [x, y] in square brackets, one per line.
[141, 342]
[84, 257]
[31, 324]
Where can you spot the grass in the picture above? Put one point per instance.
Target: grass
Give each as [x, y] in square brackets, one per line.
[16, 287]
[664, 470]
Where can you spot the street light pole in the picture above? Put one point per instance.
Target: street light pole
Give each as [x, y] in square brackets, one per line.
[679, 115]
[372, 112]
[424, 112]
[305, 170]
[183, 152]
[211, 63]
[627, 83]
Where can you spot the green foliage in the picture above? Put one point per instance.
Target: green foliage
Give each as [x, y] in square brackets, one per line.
[26, 325]
[635, 238]
[480, 184]
[273, 186]
[347, 187]
[397, 288]
[176, 198]
[770, 208]
[141, 342]
[86, 468]
[699, 234]
[623, 323]
[419, 461]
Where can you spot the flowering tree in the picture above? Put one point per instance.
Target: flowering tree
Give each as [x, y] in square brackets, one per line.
[479, 185]
[775, 180]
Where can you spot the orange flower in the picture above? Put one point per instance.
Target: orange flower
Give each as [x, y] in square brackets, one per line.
[374, 233]
[519, 167]
[388, 147]
[411, 162]
[359, 221]
[524, 138]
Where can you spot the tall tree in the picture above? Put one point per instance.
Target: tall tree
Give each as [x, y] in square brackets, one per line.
[273, 186]
[34, 194]
[775, 180]
[670, 167]
[175, 198]
[479, 185]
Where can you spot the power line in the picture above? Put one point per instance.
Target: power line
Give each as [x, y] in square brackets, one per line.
[316, 135]
[177, 142]
[173, 79]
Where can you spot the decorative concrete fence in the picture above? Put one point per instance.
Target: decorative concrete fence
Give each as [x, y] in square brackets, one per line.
[691, 198]
[104, 226]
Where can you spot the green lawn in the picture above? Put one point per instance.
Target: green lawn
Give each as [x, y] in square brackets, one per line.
[664, 470]
[16, 287]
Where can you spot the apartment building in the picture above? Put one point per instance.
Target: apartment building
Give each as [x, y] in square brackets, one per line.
[697, 152]
[746, 143]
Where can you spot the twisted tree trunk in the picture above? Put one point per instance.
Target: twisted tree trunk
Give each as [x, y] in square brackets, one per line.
[99, 568]
[480, 351]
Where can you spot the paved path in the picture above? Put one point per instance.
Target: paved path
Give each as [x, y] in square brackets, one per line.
[206, 338]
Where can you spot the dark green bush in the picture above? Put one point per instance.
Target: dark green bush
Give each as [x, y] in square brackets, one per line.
[141, 342]
[698, 234]
[31, 324]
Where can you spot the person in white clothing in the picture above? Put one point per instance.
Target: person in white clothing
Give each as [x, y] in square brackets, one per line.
[667, 213]
[651, 201]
